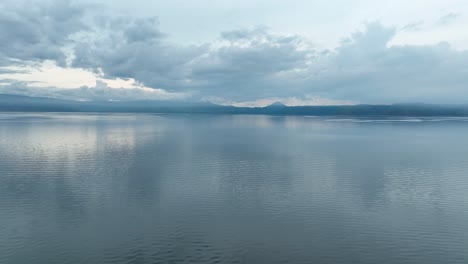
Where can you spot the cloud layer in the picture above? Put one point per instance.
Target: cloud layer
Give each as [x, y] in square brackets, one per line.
[37, 31]
[241, 65]
[100, 92]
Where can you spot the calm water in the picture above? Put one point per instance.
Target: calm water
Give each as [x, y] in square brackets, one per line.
[232, 189]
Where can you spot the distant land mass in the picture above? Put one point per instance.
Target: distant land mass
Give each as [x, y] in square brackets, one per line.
[18, 103]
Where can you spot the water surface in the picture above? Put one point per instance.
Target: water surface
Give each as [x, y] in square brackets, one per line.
[143, 188]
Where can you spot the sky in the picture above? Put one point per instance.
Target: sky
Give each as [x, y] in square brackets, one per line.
[243, 52]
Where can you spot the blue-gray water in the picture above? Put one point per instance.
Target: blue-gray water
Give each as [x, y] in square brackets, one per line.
[232, 189]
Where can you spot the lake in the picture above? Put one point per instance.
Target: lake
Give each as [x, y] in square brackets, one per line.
[147, 188]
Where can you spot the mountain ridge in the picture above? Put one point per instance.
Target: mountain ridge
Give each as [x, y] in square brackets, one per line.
[21, 103]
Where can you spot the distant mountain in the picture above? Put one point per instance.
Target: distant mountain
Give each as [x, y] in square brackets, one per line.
[17, 103]
[276, 105]
[42, 104]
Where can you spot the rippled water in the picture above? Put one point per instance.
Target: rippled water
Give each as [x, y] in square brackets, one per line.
[232, 189]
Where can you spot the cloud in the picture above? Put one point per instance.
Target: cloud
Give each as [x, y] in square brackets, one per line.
[141, 30]
[366, 69]
[8, 70]
[415, 26]
[243, 65]
[448, 19]
[246, 65]
[100, 92]
[250, 63]
[35, 31]
[135, 48]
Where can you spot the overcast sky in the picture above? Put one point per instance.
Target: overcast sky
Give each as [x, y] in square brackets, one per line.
[244, 52]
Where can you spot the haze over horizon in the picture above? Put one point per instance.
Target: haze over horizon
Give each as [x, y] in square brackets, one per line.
[245, 53]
